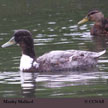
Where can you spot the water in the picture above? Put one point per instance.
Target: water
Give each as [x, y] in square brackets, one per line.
[53, 24]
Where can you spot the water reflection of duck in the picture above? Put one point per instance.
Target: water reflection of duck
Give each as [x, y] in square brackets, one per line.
[28, 83]
[101, 24]
[100, 42]
[54, 60]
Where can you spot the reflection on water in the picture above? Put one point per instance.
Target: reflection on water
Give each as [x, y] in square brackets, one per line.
[52, 29]
[31, 83]
[28, 83]
[100, 42]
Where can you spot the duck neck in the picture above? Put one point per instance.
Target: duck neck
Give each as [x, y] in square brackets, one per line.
[101, 22]
[104, 22]
[28, 50]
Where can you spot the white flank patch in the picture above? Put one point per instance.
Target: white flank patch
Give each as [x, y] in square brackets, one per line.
[26, 62]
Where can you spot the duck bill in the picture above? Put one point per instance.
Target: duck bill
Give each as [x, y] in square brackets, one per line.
[9, 43]
[84, 20]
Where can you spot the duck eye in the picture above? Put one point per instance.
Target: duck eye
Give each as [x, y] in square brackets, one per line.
[18, 39]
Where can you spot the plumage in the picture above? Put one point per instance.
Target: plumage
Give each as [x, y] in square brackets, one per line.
[100, 28]
[27, 62]
[69, 59]
[53, 60]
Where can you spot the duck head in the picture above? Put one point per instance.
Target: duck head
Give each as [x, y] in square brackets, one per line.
[94, 15]
[24, 39]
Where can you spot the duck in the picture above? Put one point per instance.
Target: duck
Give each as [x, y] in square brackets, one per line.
[57, 60]
[100, 27]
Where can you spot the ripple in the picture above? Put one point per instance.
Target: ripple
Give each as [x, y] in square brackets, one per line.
[102, 61]
[43, 40]
[70, 20]
[61, 42]
[50, 29]
[10, 77]
[72, 34]
[83, 27]
[34, 30]
[72, 27]
[86, 34]
[3, 33]
[4, 5]
[51, 22]
[40, 35]
[64, 28]
[55, 79]
[1, 38]
[52, 35]
[72, 79]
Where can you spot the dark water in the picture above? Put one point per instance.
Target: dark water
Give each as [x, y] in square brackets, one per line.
[53, 24]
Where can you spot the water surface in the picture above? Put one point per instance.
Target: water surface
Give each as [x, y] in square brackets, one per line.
[53, 24]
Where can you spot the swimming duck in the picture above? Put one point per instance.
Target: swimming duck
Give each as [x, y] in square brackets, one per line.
[53, 60]
[100, 27]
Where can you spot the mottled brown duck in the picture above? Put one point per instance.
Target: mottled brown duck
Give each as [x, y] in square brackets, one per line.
[100, 27]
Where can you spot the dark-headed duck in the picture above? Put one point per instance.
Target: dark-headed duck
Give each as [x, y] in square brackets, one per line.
[53, 60]
[100, 28]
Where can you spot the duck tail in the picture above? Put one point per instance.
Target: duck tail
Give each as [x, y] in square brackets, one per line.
[100, 53]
